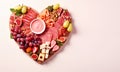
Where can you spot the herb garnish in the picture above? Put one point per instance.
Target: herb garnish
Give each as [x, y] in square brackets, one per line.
[59, 43]
[11, 36]
[17, 12]
[50, 8]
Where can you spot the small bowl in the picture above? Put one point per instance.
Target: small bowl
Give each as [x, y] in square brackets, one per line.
[36, 27]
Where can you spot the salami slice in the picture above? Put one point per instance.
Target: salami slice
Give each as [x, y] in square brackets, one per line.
[47, 37]
[12, 18]
[54, 32]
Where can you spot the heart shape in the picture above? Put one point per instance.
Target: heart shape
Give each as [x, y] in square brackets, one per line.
[40, 35]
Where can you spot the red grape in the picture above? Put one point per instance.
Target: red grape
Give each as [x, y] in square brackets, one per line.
[18, 39]
[30, 44]
[21, 39]
[18, 35]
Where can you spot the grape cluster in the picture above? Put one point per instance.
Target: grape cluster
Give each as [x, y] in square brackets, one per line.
[25, 41]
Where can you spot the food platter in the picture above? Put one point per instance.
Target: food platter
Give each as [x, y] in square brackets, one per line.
[40, 35]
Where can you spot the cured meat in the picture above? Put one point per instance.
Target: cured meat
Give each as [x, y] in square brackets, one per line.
[66, 15]
[32, 14]
[59, 11]
[47, 37]
[59, 23]
[18, 21]
[54, 32]
[27, 18]
[44, 14]
[50, 34]
[12, 18]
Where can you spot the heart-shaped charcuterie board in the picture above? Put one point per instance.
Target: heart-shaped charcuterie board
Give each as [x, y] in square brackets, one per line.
[40, 35]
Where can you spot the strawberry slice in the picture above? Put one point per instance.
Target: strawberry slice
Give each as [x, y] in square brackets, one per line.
[55, 48]
[53, 42]
[35, 49]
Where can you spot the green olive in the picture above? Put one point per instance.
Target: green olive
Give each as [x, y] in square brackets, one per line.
[56, 6]
[24, 9]
[69, 29]
[66, 24]
[19, 7]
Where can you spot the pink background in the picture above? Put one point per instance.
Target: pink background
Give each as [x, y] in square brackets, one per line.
[94, 45]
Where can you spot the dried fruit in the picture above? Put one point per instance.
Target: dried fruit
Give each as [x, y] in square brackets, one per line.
[62, 39]
[29, 49]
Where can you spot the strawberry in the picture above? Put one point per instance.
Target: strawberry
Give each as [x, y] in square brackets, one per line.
[35, 49]
[55, 48]
[53, 42]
